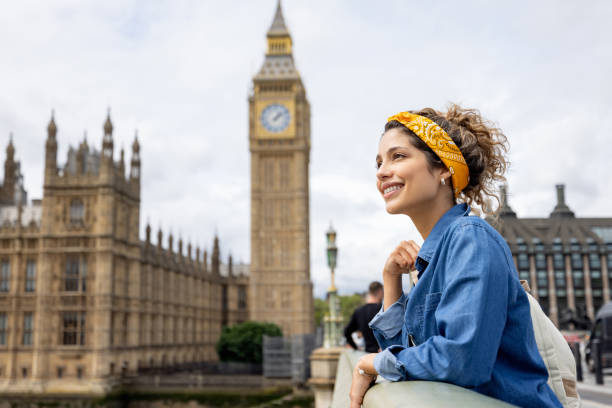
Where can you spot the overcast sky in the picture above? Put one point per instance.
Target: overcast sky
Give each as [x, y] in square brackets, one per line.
[180, 71]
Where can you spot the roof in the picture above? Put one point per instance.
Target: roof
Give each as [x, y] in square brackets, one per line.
[561, 227]
[548, 231]
[605, 311]
[278, 27]
[278, 67]
[239, 269]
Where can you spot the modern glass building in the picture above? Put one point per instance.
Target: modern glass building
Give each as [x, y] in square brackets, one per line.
[566, 260]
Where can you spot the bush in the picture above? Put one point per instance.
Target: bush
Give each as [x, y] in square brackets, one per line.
[243, 342]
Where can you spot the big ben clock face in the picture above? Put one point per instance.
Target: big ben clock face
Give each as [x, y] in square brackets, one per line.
[275, 118]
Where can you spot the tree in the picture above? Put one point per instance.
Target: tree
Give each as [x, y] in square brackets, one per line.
[321, 308]
[243, 342]
[348, 304]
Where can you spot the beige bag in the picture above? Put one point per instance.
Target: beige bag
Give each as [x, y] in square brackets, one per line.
[556, 354]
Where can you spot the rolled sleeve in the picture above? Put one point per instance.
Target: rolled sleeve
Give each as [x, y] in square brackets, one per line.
[386, 365]
[387, 324]
[469, 319]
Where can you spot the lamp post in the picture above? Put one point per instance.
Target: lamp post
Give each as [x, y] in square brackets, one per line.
[332, 254]
[332, 320]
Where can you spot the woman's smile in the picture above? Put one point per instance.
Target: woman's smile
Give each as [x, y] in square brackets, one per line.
[390, 189]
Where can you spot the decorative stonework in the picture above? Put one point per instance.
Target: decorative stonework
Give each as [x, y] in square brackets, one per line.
[279, 141]
[103, 303]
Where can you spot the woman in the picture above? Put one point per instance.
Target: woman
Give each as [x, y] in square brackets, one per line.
[467, 320]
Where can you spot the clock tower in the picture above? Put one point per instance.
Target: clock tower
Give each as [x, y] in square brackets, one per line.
[279, 142]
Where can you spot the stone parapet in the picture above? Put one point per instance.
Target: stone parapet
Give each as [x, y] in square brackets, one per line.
[323, 368]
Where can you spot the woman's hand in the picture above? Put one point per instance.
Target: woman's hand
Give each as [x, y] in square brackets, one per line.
[402, 259]
[362, 382]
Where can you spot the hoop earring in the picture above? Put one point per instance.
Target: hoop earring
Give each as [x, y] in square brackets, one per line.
[443, 182]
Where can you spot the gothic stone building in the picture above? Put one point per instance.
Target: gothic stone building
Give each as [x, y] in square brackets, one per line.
[279, 141]
[83, 299]
[566, 260]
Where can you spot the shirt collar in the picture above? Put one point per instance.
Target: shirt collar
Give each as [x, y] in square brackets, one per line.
[432, 241]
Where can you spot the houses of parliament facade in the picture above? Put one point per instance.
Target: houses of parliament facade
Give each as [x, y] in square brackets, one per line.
[84, 299]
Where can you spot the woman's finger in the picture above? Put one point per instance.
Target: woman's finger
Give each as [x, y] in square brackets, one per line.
[408, 257]
[411, 248]
[415, 246]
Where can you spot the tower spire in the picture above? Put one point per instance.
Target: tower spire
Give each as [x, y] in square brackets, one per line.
[51, 149]
[10, 149]
[278, 27]
[52, 128]
[135, 165]
[279, 40]
[107, 141]
[122, 162]
[108, 125]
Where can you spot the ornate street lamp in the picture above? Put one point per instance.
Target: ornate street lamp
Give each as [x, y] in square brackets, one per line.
[332, 253]
[333, 320]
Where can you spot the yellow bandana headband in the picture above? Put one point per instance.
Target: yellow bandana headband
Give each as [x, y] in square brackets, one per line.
[440, 142]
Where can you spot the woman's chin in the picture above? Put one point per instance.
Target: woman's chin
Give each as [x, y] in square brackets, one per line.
[392, 209]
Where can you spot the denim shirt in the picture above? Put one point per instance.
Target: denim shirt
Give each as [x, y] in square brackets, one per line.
[467, 319]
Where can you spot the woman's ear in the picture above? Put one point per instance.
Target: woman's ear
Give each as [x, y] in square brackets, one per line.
[445, 174]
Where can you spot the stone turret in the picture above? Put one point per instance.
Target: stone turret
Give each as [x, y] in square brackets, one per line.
[107, 140]
[51, 150]
[121, 168]
[148, 233]
[135, 165]
[216, 257]
[10, 174]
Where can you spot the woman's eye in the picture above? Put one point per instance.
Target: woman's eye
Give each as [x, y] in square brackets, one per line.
[398, 156]
[378, 164]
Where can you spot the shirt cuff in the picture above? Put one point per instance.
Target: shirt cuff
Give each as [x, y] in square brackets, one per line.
[389, 322]
[385, 364]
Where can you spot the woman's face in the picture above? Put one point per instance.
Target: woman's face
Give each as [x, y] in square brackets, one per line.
[404, 178]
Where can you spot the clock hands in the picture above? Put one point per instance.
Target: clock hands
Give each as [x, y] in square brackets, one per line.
[275, 118]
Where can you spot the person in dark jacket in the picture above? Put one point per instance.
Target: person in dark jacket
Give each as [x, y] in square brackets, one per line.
[362, 316]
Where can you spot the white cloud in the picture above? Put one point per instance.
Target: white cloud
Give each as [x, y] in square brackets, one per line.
[179, 72]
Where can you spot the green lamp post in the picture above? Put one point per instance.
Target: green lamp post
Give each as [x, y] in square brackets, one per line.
[332, 254]
[333, 320]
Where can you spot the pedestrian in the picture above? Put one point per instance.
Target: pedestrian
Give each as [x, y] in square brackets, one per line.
[362, 316]
[467, 319]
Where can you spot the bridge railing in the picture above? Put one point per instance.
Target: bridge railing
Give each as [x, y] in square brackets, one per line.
[385, 394]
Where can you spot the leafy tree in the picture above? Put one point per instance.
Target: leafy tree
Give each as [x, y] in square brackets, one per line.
[320, 309]
[348, 304]
[243, 342]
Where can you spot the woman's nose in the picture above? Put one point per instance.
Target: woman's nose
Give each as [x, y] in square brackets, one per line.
[383, 172]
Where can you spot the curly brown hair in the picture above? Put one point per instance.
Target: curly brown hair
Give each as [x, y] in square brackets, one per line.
[483, 146]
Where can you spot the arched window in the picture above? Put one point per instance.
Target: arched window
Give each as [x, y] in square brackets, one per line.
[77, 211]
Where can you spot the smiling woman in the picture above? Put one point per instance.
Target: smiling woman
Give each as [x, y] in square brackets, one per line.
[467, 320]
